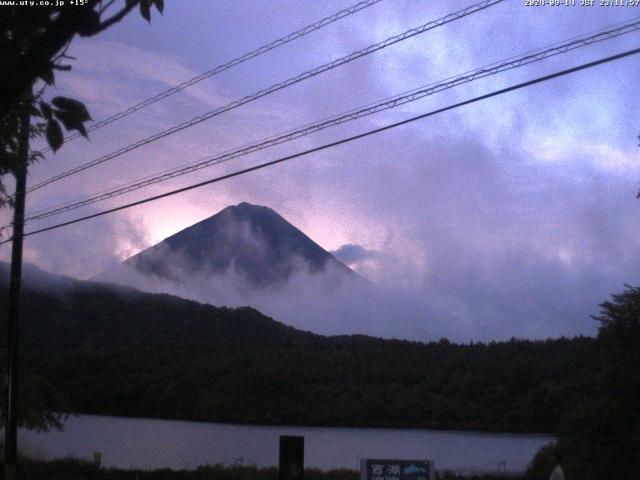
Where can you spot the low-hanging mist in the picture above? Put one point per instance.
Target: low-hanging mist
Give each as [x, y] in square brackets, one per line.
[250, 255]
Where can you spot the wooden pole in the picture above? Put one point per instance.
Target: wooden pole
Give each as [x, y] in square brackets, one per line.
[13, 318]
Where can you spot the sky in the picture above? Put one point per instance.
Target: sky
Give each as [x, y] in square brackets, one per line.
[512, 217]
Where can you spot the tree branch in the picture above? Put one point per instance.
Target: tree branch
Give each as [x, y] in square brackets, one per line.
[117, 17]
[29, 66]
[105, 7]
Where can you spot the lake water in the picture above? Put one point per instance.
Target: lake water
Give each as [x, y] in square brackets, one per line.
[151, 443]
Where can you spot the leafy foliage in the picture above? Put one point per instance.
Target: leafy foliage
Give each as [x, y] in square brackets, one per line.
[33, 46]
[41, 406]
[71, 113]
[600, 437]
[73, 469]
[543, 463]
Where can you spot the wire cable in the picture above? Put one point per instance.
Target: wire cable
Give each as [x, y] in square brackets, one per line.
[607, 30]
[388, 103]
[237, 173]
[221, 68]
[274, 88]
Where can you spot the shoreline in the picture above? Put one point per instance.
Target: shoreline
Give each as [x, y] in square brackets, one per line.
[447, 429]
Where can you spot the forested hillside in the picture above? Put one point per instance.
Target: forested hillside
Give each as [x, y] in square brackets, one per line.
[109, 350]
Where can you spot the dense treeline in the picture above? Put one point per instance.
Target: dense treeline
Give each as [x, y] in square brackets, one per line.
[356, 383]
[107, 350]
[600, 437]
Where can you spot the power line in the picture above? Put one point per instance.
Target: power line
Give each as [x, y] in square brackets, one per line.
[232, 63]
[392, 102]
[339, 142]
[278, 86]
[594, 36]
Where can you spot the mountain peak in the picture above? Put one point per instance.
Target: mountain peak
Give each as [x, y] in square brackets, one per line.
[249, 240]
[248, 211]
[247, 205]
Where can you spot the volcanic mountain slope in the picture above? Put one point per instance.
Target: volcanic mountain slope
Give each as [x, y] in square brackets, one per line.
[254, 243]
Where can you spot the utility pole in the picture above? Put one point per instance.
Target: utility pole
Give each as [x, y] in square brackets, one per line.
[13, 319]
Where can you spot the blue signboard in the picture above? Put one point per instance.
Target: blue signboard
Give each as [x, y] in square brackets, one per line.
[374, 469]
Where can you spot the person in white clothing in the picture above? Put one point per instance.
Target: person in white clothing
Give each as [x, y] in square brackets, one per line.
[557, 473]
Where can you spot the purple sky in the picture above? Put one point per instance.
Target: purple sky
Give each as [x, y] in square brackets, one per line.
[515, 216]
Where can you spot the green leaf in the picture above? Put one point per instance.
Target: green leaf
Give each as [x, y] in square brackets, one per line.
[48, 76]
[35, 156]
[54, 135]
[145, 10]
[70, 121]
[74, 107]
[82, 130]
[10, 160]
[46, 110]
[159, 5]
[89, 24]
